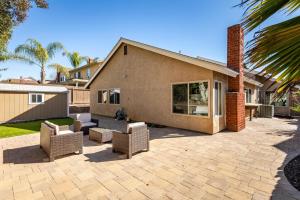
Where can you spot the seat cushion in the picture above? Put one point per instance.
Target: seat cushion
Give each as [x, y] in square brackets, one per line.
[84, 124]
[64, 132]
[54, 126]
[84, 117]
[132, 125]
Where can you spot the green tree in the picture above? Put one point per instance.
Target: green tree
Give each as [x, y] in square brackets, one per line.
[12, 13]
[60, 70]
[275, 49]
[33, 53]
[75, 59]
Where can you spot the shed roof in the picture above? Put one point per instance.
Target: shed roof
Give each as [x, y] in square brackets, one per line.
[7, 87]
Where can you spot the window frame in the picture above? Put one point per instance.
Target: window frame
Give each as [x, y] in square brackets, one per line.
[188, 104]
[36, 94]
[88, 73]
[108, 94]
[102, 90]
[245, 92]
[222, 101]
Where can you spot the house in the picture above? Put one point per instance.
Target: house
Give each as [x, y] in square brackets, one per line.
[79, 76]
[167, 88]
[278, 106]
[25, 102]
[21, 80]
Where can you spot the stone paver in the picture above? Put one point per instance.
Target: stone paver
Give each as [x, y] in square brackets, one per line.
[180, 165]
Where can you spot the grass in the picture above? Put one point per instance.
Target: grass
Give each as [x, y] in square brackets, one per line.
[23, 128]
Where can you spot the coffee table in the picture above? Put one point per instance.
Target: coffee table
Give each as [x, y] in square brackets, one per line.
[100, 134]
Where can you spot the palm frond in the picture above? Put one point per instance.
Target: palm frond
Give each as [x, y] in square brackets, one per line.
[59, 68]
[75, 59]
[53, 48]
[257, 11]
[276, 50]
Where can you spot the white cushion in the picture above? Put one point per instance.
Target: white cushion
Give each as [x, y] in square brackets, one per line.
[84, 124]
[64, 132]
[54, 126]
[132, 125]
[84, 117]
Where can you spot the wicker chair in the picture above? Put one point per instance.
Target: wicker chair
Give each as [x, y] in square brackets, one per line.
[60, 144]
[136, 139]
[83, 122]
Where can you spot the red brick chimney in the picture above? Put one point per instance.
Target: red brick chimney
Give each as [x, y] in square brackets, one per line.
[235, 98]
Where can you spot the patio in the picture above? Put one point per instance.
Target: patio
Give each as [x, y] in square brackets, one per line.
[180, 165]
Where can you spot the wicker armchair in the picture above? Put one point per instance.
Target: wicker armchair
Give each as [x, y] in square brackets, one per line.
[83, 122]
[136, 139]
[60, 144]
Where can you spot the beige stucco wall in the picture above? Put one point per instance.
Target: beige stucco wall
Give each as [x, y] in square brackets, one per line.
[14, 106]
[145, 79]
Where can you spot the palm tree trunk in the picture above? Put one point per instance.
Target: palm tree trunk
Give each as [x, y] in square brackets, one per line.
[43, 74]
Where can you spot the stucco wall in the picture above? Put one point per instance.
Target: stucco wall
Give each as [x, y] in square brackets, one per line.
[14, 106]
[145, 79]
[83, 71]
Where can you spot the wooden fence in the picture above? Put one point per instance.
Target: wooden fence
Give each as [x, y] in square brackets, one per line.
[79, 96]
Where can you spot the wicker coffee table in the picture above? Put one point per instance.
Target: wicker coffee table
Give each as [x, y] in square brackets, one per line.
[100, 134]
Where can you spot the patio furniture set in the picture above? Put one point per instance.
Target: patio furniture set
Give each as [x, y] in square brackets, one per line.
[61, 140]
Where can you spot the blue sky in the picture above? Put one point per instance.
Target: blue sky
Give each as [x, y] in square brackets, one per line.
[196, 28]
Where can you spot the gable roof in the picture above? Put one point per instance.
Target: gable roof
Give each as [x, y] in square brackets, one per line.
[201, 62]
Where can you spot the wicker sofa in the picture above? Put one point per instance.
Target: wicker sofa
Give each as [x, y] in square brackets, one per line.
[61, 143]
[135, 139]
[83, 122]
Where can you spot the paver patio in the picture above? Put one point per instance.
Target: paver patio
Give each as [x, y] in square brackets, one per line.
[180, 165]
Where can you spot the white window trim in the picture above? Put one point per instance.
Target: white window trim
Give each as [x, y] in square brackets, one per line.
[247, 89]
[30, 99]
[199, 81]
[88, 73]
[222, 99]
[109, 96]
[102, 95]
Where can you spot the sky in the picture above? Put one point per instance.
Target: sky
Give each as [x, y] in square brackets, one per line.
[93, 27]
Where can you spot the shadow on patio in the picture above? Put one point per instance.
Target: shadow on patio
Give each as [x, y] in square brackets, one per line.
[291, 147]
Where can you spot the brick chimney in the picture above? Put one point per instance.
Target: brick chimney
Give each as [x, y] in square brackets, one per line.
[235, 98]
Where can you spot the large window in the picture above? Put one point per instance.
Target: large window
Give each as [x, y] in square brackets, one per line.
[78, 75]
[114, 96]
[248, 95]
[218, 98]
[282, 101]
[36, 98]
[102, 96]
[191, 98]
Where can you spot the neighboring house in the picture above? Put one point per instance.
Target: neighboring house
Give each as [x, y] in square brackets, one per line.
[80, 76]
[21, 80]
[163, 87]
[281, 106]
[24, 102]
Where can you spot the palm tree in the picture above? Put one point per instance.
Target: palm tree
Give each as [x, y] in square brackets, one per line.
[274, 49]
[60, 70]
[75, 59]
[33, 53]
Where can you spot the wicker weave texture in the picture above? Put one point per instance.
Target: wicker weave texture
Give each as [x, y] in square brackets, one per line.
[100, 135]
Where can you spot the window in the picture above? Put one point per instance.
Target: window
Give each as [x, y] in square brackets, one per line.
[125, 50]
[114, 96]
[62, 78]
[218, 98]
[102, 96]
[248, 95]
[77, 75]
[88, 73]
[190, 98]
[36, 98]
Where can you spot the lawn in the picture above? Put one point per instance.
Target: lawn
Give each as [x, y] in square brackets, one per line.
[22, 128]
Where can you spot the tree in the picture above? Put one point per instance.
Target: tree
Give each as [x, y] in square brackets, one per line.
[75, 59]
[33, 53]
[275, 49]
[12, 13]
[60, 69]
